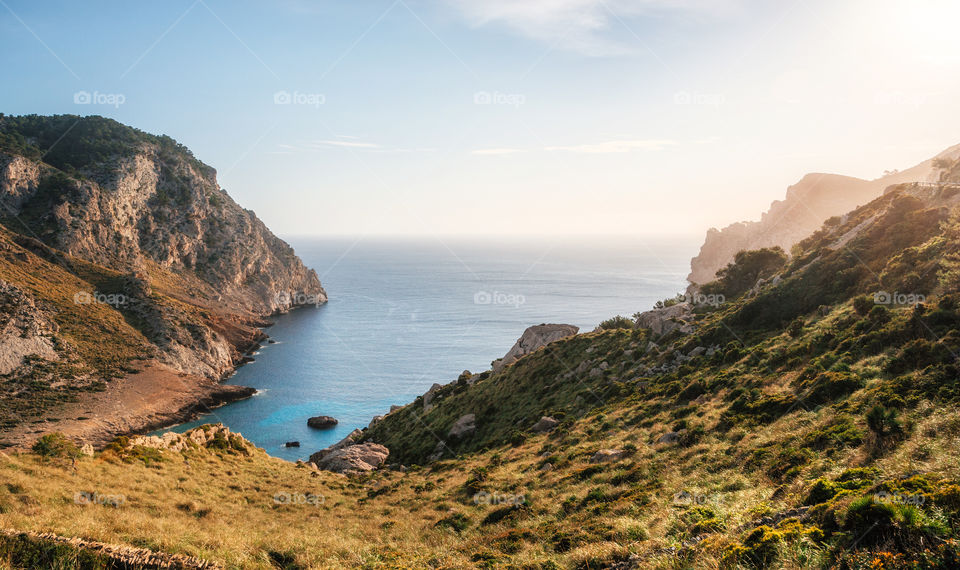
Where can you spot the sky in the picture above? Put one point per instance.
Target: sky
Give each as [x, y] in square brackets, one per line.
[442, 117]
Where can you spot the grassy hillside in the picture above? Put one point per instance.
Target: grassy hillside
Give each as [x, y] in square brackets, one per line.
[808, 422]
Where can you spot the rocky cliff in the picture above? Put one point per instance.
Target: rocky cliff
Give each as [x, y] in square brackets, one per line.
[123, 247]
[807, 205]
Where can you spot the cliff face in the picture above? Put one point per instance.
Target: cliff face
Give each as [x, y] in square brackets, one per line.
[808, 203]
[150, 204]
[120, 246]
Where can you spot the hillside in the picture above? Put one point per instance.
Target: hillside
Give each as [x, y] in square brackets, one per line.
[807, 205]
[810, 420]
[121, 257]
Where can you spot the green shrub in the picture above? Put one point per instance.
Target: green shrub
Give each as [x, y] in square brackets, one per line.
[55, 445]
[617, 322]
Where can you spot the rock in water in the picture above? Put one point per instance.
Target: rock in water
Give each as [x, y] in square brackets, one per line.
[292, 444]
[322, 422]
[532, 339]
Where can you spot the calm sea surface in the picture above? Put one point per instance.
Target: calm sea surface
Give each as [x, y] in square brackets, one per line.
[406, 313]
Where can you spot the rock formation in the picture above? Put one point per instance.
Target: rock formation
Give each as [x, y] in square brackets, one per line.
[322, 422]
[351, 456]
[808, 203]
[668, 319]
[463, 427]
[130, 235]
[532, 339]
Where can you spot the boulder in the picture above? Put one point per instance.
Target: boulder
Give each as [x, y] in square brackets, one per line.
[532, 339]
[356, 458]
[668, 319]
[292, 444]
[463, 427]
[351, 439]
[87, 449]
[429, 395]
[322, 422]
[608, 456]
[374, 421]
[545, 424]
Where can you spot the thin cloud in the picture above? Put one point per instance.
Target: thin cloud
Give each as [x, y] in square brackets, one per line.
[577, 25]
[348, 144]
[609, 147]
[496, 151]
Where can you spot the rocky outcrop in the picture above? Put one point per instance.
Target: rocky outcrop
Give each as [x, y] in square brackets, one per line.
[202, 437]
[808, 204]
[322, 422]
[143, 206]
[532, 339]
[349, 455]
[357, 458]
[668, 319]
[463, 427]
[24, 329]
[545, 424]
[164, 207]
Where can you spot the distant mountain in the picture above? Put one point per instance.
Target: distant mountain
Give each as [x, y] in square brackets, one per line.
[117, 248]
[808, 204]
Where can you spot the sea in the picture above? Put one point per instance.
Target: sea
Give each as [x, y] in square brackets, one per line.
[405, 313]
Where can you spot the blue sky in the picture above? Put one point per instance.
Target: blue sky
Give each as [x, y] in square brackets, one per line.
[502, 116]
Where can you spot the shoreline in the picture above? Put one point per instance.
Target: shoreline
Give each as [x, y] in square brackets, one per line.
[155, 397]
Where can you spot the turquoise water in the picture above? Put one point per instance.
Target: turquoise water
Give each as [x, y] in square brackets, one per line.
[404, 314]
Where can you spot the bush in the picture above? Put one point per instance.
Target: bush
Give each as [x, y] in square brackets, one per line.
[883, 423]
[55, 445]
[747, 268]
[862, 305]
[457, 522]
[617, 322]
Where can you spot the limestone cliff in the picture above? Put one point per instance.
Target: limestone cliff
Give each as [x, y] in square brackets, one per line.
[808, 203]
[117, 246]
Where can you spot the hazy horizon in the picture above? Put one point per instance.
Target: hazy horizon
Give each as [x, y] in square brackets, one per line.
[445, 117]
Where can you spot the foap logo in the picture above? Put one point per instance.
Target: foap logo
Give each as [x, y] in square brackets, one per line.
[297, 299]
[900, 498]
[714, 300]
[484, 498]
[498, 298]
[498, 98]
[96, 98]
[85, 498]
[298, 98]
[312, 499]
[687, 498]
[900, 98]
[705, 99]
[115, 300]
[895, 298]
